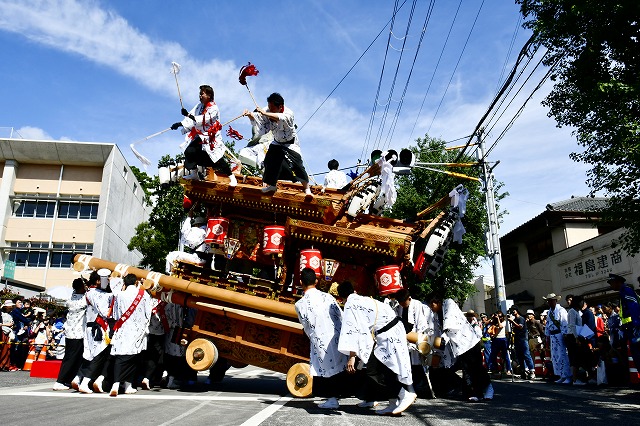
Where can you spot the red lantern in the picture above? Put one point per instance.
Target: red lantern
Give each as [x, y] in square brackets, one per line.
[217, 228]
[273, 241]
[311, 258]
[388, 279]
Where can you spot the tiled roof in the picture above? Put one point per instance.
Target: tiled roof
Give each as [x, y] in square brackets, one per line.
[579, 204]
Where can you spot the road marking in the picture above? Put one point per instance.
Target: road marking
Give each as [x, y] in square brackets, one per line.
[267, 412]
[185, 414]
[145, 396]
[39, 386]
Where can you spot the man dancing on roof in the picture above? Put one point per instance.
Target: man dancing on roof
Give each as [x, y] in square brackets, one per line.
[283, 159]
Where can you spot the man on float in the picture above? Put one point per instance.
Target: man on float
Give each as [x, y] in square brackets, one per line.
[389, 369]
[203, 144]
[191, 247]
[283, 159]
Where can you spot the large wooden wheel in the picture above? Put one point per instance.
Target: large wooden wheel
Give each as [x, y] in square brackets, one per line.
[201, 354]
[299, 380]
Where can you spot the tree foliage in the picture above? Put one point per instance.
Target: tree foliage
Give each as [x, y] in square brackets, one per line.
[161, 233]
[594, 49]
[422, 188]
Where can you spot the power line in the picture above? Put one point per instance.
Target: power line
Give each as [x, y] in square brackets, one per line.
[350, 69]
[456, 67]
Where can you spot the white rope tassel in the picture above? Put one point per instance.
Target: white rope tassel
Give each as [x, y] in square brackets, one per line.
[151, 282]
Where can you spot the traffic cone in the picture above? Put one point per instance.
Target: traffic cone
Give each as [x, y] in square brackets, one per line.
[538, 365]
[634, 377]
[42, 356]
[30, 358]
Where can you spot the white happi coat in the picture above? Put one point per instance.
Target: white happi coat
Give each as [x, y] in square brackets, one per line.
[76, 323]
[321, 318]
[361, 319]
[335, 179]
[192, 237]
[283, 130]
[421, 316]
[98, 304]
[205, 116]
[131, 337]
[174, 317]
[555, 332]
[456, 332]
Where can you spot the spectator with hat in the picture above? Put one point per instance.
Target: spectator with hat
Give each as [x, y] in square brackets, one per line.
[521, 342]
[629, 314]
[536, 331]
[555, 329]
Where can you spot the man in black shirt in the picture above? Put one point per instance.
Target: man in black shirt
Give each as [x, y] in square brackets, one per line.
[521, 342]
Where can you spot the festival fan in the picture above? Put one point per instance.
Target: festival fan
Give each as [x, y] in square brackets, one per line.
[246, 71]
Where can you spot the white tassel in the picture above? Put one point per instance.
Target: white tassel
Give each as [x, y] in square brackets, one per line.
[175, 68]
[144, 160]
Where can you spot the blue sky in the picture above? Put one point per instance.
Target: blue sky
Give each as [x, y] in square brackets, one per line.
[95, 70]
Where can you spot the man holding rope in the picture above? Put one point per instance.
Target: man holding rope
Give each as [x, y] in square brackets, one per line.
[283, 159]
[203, 144]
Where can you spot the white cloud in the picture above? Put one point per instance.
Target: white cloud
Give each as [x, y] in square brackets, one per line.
[34, 133]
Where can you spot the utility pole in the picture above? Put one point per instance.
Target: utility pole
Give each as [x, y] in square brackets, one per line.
[493, 240]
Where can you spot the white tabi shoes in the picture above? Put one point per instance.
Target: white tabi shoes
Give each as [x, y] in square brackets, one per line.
[59, 386]
[406, 399]
[97, 385]
[84, 386]
[114, 389]
[330, 404]
[232, 180]
[129, 389]
[144, 384]
[367, 404]
[388, 410]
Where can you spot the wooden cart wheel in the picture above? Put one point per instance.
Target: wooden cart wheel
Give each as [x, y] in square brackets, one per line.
[201, 354]
[299, 380]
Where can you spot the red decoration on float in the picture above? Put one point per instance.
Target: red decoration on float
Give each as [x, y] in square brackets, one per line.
[232, 133]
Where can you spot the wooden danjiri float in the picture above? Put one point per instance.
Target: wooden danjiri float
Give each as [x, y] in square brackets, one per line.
[245, 299]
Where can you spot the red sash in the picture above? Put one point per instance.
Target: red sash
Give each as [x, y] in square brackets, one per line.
[159, 309]
[129, 311]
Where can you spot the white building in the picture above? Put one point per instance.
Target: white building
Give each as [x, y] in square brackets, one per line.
[58, 198]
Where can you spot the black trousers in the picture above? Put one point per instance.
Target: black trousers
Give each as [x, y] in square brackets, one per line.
[195, 156]
[470, 363]
[341, 385]
[97, 366]
[20, 350]
[283, 163]
[124, 368]
[381, 383]
[154, 356]
[71, 361]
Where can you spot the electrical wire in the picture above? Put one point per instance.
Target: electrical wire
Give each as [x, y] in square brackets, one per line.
[456, 67]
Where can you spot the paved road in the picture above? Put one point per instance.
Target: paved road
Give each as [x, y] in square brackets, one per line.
[252, 396]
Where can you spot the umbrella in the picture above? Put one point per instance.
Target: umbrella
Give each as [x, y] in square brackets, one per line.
[60, 293]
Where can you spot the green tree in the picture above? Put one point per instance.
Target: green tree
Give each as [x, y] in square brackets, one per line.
[593, 47]
[161, 233]
[422, 188]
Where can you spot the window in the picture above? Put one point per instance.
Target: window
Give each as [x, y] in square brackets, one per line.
[34, 208]
[135, 188]
[62, 253]
[510, 266]
[77, 210]
[125, 172]
[29, 254]
[540, 249]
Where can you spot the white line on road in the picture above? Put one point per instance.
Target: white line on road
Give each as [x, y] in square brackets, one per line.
[39, 386]
[185, 414]
[146, 396]
[267, 412]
